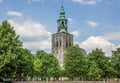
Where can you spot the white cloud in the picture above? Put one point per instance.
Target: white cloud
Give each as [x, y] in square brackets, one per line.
[33, 34]
[75, 33]
[98, 42]
[71, 21]
[14, 13]
[112, 36]
[89, 2]
[92, 23]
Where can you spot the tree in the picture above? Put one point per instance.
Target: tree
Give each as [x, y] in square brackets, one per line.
[116, 62]
[42, 56]
[15, 61]
[24, 64]
[74, 62]
[37, 67]
[94, 72]
[9, 45]
[54, 67]
[49, 65]
[102, 63]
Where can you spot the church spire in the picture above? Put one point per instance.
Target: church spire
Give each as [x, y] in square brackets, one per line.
[62, 13]
[62, 21]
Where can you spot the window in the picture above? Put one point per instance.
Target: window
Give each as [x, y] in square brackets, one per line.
[60, 42]
[62, 22]
[56, 43]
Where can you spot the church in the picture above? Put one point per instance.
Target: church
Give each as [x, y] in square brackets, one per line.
[62, 39]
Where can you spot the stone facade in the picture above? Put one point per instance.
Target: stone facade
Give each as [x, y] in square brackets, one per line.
[62, 39]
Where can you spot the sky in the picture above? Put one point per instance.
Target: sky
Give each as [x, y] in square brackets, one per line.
[94, 23]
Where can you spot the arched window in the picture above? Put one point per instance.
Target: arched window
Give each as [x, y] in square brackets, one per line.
[63, 23]
[60, 42]
[66, 44]
[56, 43]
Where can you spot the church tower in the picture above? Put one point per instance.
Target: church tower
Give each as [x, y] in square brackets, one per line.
[62, 39]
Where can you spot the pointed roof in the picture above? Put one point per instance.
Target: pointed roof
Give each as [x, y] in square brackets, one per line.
[62, 21]
[62, 13]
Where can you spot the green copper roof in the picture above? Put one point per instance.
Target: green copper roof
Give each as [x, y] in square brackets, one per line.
[63, 30]
[62, 19]
[62, 10]
[62, 13]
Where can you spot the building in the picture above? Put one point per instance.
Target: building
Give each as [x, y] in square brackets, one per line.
[62, 39]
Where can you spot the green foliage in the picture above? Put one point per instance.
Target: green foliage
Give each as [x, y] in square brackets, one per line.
[14, 60]
[54, 68]
[102, 63]
[116, 62]
[49, 66]
[37, 67]
[9, 45]
[24, 63]
[74, 62]
[94, 72]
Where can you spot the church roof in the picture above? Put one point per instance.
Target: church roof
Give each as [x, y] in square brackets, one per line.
[62, 13]
[63, 30]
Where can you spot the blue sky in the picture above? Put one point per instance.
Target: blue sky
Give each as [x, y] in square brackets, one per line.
[94, 23]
